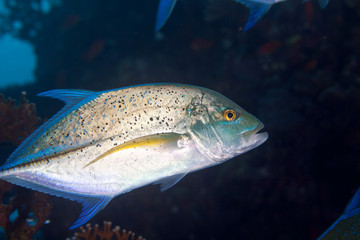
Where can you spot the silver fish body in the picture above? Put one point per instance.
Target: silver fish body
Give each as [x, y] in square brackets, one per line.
[103, 144]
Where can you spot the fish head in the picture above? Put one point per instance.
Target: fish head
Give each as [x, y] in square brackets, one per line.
[221, 128]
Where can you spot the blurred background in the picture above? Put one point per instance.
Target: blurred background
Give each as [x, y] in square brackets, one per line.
[297, 69]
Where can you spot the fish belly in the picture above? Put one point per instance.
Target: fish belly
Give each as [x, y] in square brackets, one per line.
[112, 175]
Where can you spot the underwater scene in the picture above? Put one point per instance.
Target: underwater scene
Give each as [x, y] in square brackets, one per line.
[189, 119]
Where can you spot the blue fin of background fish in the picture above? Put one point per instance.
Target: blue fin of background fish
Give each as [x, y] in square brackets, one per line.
[257, 10]
[322, 3]
[164, 10]
[71, 99]
[352, 209]
[168, 182]
[90, 205]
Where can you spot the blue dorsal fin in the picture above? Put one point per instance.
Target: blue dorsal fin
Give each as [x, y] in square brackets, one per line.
[168, 182]
[70, 97]
[91, 204]
[351, 209]
[257, 10]
[354, 205]
[323, 3]
[164, 10]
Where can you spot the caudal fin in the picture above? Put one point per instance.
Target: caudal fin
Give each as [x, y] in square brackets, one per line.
[257, 10]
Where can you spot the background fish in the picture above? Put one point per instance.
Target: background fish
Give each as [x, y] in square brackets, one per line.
[347, 226]
[257, 9]
[102, 144]
[322, 3]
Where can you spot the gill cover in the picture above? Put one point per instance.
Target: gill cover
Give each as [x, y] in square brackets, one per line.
[203, 132]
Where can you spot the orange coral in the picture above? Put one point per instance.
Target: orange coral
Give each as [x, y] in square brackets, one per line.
[106, 234]
[17, 121]
[33, 210]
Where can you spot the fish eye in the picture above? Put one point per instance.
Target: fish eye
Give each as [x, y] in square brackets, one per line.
[229, 115]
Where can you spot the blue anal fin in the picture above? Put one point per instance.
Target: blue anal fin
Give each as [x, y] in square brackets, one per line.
[257, 10]
[91, 206]
[168, 182]
[163, 13]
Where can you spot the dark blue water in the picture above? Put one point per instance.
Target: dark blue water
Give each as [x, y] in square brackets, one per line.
[297, 69]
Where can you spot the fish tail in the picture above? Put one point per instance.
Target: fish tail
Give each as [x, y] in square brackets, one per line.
[257, 10]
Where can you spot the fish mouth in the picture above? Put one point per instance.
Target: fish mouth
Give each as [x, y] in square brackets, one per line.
[253, 138]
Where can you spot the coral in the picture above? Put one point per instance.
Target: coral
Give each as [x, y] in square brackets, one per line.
[94, 233]
[22, 212]
[21, 215]
[17, 121]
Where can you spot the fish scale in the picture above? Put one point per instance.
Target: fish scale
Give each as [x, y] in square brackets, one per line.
[74, 130]
[103, 144]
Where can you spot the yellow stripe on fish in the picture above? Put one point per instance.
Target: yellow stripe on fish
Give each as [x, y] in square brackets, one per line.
[128, 138]
[147, 141]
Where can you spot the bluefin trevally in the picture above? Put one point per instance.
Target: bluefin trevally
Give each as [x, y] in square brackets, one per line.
[102, 144]
[347, 226]
[257, 9]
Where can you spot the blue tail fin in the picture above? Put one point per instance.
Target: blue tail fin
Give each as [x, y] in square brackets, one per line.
[257, 10]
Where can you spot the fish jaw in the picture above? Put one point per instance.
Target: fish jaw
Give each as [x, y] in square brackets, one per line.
[252, 139]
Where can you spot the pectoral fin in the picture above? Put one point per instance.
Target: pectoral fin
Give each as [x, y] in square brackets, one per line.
[142, 142]
[168, 182]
